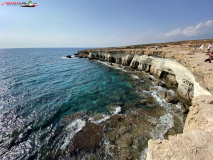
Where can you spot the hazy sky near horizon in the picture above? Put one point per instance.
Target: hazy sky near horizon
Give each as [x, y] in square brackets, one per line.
[104, 23]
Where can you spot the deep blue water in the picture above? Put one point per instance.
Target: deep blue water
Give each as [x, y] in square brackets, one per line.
[40, 86]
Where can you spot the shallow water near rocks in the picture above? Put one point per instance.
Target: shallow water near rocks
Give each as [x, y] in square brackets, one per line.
[40, 86]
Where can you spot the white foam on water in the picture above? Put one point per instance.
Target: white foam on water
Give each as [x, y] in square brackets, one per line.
[72, 129]
[154, 92]
[144, 153]
[107, 148]
[64, 58]
[105, 117]
[117, 110]
[181, 118]
[120, 69]
[136, 77]
[163, 124]
[178, 106]
[73, 57]
[112, 66]
[158, 99]
[151, 76]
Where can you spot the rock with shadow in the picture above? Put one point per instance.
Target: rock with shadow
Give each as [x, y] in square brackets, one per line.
[69, 56]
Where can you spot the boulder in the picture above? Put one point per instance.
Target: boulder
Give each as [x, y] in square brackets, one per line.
[89, 138]
[69, 56]
[171, 97]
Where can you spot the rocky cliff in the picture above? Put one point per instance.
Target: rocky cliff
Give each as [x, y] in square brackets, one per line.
[177, 68]
[196, 141]
[192, 78]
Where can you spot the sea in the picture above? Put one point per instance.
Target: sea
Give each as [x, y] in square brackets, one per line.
[40, 86]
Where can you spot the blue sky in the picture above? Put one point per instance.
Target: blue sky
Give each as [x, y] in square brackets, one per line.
[104, 23]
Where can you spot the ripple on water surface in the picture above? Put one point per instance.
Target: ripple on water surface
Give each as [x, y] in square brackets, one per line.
[39, 87]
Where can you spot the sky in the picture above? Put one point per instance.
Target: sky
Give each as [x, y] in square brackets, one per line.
[103, 23]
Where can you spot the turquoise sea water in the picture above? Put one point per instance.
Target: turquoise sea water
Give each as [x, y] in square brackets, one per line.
[40, 86]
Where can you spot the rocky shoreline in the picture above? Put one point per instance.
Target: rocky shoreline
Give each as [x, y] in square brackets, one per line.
[196, 140]
[123, 133]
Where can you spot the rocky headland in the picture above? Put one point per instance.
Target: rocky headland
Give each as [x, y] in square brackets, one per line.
[182, 69]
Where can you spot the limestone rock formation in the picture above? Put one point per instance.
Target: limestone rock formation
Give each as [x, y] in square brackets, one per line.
[82, 54]
[196, 141]
[192, 78]
[159, 64]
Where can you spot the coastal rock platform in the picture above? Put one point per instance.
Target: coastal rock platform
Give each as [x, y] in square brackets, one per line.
[192, 83]
[196, 141]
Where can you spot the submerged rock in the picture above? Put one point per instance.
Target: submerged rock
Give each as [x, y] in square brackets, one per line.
[69, 56]
[120, 103]
[88, 138]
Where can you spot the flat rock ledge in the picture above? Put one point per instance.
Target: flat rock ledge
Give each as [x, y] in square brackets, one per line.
[196, 141]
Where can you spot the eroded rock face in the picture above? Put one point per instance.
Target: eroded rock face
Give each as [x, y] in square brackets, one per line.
[192, 62]
[135, 65]
[155, 71]
[186, 91]
[196, 141]
[171, 97]
[82, 54]
[184, 107]
[88, 138]
[158, 63]
[167, 70]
